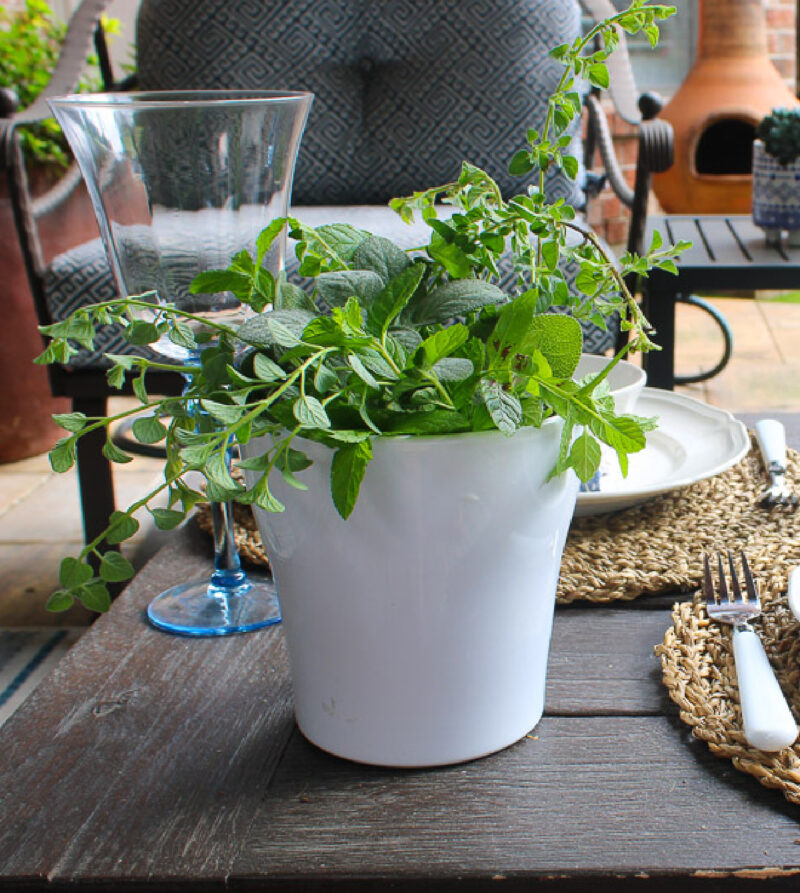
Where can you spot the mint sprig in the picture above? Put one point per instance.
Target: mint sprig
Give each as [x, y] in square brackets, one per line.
[389, 342]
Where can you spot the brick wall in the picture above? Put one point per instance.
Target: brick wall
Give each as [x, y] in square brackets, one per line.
[606, 213]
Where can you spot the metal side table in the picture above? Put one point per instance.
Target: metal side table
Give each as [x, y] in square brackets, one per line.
[727, 253]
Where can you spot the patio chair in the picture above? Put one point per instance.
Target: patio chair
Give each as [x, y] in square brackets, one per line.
[405, 89]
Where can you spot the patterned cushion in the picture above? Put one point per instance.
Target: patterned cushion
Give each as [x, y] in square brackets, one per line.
[404, 89]
[82, 276]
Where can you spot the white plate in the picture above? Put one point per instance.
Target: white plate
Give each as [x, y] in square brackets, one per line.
[693, 441]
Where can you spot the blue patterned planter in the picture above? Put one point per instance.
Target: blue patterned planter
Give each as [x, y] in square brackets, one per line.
[776, 193]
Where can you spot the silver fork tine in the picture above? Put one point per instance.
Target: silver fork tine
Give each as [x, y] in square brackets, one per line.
[750, 583]
[737, 597]
[766, 718]
[708, 583]
[723, 586]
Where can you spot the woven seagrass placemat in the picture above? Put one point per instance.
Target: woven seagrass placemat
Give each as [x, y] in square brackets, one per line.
[652, 548]
[700, 676]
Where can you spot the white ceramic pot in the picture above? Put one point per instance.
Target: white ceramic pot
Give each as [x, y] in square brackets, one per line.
[625, 380]
[418, 630]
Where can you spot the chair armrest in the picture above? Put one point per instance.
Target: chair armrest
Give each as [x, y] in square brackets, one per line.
[71, 61]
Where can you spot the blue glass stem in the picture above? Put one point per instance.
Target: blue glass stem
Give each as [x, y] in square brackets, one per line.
[228, 573]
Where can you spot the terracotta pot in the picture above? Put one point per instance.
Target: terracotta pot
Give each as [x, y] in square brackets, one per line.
[732, 85]
[26, 403]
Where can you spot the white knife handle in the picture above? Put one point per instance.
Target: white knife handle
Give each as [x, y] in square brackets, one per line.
[772, 440]
[768, 722]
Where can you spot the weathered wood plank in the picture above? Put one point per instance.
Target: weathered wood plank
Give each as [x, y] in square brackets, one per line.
[602, 662]
[593, 797]
[145, 754]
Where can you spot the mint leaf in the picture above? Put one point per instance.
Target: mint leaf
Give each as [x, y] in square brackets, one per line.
[382, 257]
[584, 456]
[121, 527]
[347, 472]
[149, 430]
[114, 568]
[62, 456]
[503, 406]
[73, 573]
[167, 519]
[60, 600]
[114, 454]
[393, 298]
[442, 343]
[95, 597]
[455, 299]
[336, 287]
[71, 421]
[310, 413]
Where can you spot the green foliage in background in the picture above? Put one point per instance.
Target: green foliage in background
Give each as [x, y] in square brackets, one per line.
[30, 43]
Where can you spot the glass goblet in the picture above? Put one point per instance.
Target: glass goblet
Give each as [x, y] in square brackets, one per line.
[181, 182]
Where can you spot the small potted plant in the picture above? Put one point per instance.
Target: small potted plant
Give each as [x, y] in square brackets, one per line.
[412, 451]
[776, 175]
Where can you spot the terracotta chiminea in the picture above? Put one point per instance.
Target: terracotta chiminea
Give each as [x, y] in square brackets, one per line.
[728, 90]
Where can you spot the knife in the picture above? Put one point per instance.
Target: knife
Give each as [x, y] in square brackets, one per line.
[771, 436]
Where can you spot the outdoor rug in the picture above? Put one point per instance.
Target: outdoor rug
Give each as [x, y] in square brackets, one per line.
[27, 655]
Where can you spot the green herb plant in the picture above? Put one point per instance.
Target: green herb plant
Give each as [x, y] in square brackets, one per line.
[780, 133]
[420, 342]
[30, 43]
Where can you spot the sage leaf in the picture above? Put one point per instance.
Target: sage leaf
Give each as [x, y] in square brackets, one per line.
[560, 339]
[347, 472]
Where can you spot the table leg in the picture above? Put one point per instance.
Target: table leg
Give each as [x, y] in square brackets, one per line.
[659, 308]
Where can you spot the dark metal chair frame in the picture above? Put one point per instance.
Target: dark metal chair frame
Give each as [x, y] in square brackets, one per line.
[88, 388]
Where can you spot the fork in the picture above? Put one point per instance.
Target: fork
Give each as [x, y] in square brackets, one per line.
[767, 719]
[772, 441]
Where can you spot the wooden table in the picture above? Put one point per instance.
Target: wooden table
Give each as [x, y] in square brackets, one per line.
[728, 254]
[149, 762]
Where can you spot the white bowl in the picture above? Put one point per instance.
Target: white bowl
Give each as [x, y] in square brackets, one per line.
[626, 380]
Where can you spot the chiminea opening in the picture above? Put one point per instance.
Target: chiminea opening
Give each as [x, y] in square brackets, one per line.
[725, 147]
